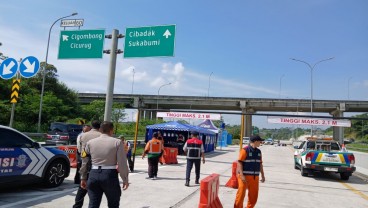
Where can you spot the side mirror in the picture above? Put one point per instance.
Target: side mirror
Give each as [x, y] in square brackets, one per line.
[36, 145]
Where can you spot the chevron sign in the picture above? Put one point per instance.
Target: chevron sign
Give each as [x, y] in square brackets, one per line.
[15, 91]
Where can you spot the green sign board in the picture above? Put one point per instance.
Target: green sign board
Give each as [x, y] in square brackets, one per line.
[78, 44]
[149, 41]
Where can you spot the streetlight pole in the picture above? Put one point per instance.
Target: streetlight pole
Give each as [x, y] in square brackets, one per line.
[133, 79]
[349, 87]
[158, 92]
[282, 76]
[209, 84]
[44, 71]
[311, 70]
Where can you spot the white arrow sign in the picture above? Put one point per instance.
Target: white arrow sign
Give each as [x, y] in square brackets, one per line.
[65, 38]
[30, 68]
[7, 68]
[167, 34]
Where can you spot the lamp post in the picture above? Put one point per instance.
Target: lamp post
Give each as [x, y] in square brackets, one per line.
[133, 79]
[209, 84]
[282, 76]
[349, 87]
[44, 70]
[311, 70]
[158, 92]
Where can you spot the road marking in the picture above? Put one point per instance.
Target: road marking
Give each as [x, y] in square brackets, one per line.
[354, 190]
[38, 198]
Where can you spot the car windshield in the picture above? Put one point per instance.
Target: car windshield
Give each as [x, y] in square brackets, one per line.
[58, 128]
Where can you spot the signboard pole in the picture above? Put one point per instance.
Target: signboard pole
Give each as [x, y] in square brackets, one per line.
[111, 77]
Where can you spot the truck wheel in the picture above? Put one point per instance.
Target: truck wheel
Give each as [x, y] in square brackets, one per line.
[55, 174]
[344, 176]
[302, 171]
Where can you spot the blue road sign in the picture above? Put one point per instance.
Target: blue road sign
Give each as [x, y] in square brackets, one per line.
[29, 67]
[8, 68]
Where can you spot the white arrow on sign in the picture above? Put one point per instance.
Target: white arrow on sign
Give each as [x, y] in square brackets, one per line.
[167, 34]
[30, 68]
[6, 69]
[65, 38]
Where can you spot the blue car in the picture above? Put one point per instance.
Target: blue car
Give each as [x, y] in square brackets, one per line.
[24, 161]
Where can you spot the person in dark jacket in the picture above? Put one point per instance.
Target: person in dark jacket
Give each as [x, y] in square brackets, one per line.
[194, 150]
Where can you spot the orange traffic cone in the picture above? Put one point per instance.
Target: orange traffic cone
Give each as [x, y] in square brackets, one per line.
[233, 181]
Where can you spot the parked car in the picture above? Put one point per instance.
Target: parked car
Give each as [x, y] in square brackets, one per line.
[63, 133]
[23, 161]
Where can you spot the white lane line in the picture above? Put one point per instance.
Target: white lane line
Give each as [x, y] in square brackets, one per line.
[38, 198]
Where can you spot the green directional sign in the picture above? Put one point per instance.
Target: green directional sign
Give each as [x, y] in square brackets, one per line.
[149, 41]
[79, 44]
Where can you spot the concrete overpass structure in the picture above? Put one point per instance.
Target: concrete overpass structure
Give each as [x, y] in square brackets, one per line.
[150, 104]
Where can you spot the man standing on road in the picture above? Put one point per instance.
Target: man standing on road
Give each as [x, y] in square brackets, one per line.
[93, 133]
[194, 150]
[154, 149]
[105, 153]
[86, 128]
[249, 167]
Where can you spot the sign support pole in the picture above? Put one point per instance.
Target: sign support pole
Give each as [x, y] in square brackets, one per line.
[111, 77]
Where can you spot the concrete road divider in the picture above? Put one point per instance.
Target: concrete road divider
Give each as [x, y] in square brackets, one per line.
[72, 154]
[209, 192]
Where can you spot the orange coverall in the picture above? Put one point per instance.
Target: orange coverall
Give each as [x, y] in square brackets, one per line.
[252, 184]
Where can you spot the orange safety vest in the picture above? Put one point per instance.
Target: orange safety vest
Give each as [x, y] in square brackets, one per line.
[155, 147]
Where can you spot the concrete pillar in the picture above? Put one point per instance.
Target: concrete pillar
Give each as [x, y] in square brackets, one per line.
[338, 131]
[142, 114]
[248, 125]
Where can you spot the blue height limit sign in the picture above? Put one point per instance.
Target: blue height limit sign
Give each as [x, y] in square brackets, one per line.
[152, 41]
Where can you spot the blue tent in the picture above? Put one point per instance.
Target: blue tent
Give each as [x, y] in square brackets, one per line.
[171, 130]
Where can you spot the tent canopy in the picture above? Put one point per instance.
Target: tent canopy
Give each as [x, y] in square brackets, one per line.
[176, 126]
[208, 124]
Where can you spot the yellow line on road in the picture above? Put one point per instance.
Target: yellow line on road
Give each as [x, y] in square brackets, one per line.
[354, 190]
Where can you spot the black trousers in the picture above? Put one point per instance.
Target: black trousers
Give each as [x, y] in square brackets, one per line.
[197, 164]
[103, 181]
[130, 162]
[153, 166]
[81, 193]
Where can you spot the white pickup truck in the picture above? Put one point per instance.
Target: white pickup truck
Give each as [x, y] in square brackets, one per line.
[323, 155]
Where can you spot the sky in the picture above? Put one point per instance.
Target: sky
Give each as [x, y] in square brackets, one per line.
[237, 48]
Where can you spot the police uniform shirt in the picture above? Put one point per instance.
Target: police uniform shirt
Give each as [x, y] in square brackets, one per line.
[108, 151]
[85, 137]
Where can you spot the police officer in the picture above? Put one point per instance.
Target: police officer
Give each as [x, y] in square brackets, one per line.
[194, 150]
[249, 168]
[86, 128]
[154, 149]
[85, 137]
[105, 153]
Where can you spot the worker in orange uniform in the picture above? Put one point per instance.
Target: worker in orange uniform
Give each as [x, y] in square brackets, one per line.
[153, 149]
[249, 168]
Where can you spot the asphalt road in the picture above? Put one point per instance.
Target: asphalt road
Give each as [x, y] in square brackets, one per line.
[284, 186]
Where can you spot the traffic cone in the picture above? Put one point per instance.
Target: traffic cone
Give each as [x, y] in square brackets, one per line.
[233, 181]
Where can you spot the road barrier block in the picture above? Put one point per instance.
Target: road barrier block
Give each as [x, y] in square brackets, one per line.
[233, 181]
[170, 155]
[72, 154]
[209, 192]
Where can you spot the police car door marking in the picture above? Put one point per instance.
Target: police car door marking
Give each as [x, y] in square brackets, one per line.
[34, 161]
[40, 163]
[47, 154]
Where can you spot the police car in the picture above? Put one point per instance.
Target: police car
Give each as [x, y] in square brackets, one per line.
[24, 161]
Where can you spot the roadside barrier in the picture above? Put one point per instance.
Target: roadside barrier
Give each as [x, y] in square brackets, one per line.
[72, 154]
[209, 192]
[170, 155]
[233, 181]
